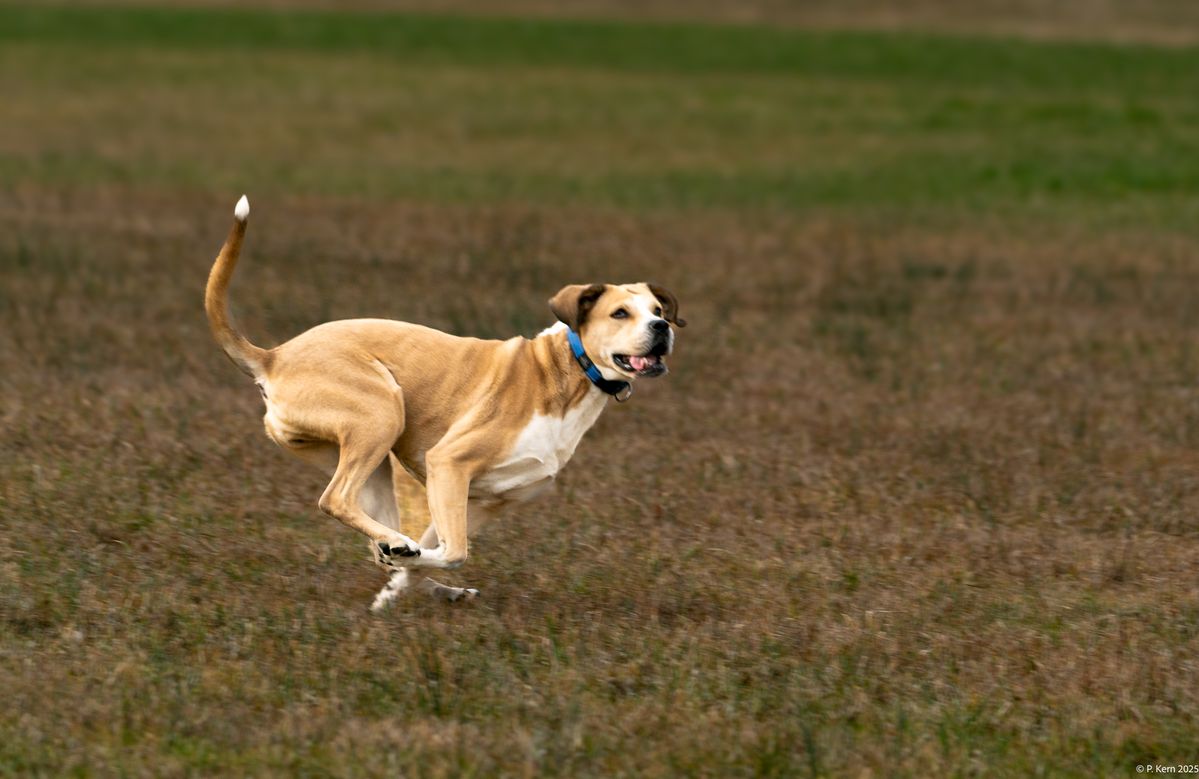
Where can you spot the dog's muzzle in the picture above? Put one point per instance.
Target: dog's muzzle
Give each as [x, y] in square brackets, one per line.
[649, 363]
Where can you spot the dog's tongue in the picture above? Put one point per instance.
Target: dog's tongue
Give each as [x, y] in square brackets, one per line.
[641, 363]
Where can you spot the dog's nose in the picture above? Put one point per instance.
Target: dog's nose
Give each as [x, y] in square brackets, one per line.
[659, 326]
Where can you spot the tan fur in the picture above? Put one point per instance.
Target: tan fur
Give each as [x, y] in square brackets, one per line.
[350, 395]
[245, 355]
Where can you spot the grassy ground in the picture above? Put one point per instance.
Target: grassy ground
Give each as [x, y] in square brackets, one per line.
[596, 113]
[1171, 22]
[918, 498]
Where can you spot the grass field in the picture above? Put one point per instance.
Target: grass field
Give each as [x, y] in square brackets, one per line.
[920, 496]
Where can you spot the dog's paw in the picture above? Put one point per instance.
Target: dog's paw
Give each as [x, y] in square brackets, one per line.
[468, 593]
[395, 553]
[455, 594]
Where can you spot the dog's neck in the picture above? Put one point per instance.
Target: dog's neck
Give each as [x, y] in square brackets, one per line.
[569, 385]
[621, 390]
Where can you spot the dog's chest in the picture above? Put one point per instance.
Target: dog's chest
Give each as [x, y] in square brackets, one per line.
[541, 449]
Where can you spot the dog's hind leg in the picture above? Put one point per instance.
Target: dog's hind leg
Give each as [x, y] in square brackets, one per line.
[362, 451]
[377, 496]
[379, 501]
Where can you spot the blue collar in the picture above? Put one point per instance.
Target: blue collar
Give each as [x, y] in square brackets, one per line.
[621, 390]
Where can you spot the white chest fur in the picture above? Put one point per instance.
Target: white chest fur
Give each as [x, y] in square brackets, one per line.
[541, 449]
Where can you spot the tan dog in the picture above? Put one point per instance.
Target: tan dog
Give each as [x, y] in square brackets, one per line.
[480, 423]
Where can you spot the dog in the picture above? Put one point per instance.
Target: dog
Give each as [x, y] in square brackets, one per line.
[481, 423]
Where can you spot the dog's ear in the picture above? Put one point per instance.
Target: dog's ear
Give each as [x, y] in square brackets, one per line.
[670, 305]
[572, 303]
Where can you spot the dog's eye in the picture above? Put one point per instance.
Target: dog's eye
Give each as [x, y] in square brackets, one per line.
[658, 311]
[620, 313]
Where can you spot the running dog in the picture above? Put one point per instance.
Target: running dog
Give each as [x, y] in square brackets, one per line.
[481, 423]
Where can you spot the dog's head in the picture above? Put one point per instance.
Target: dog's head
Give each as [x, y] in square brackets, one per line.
[625, 328]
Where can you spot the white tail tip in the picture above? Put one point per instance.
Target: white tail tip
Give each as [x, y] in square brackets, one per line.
[242, 209]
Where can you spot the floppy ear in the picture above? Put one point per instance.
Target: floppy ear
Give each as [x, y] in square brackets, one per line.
[670, 304]
[572, 303]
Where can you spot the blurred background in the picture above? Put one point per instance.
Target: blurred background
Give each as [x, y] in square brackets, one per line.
[918, 498]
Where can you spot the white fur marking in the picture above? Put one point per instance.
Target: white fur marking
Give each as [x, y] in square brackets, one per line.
[242, 209]
[394, 587]
[543, 447]
[556, 327]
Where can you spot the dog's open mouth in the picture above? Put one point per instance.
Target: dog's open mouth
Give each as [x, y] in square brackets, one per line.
[647, 365]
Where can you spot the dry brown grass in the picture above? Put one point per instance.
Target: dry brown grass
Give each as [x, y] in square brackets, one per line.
[918, 502]
[918, 497]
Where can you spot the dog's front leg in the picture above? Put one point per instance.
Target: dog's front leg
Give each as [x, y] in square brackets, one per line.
[448, 485]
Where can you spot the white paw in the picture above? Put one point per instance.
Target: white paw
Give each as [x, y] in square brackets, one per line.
[469, 593]
[454, 594]
[396, 553]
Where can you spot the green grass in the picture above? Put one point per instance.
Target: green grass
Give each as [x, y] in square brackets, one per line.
[600, 113]
[685, 49]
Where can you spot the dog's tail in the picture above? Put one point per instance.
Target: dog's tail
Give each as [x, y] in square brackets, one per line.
[245, 355]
